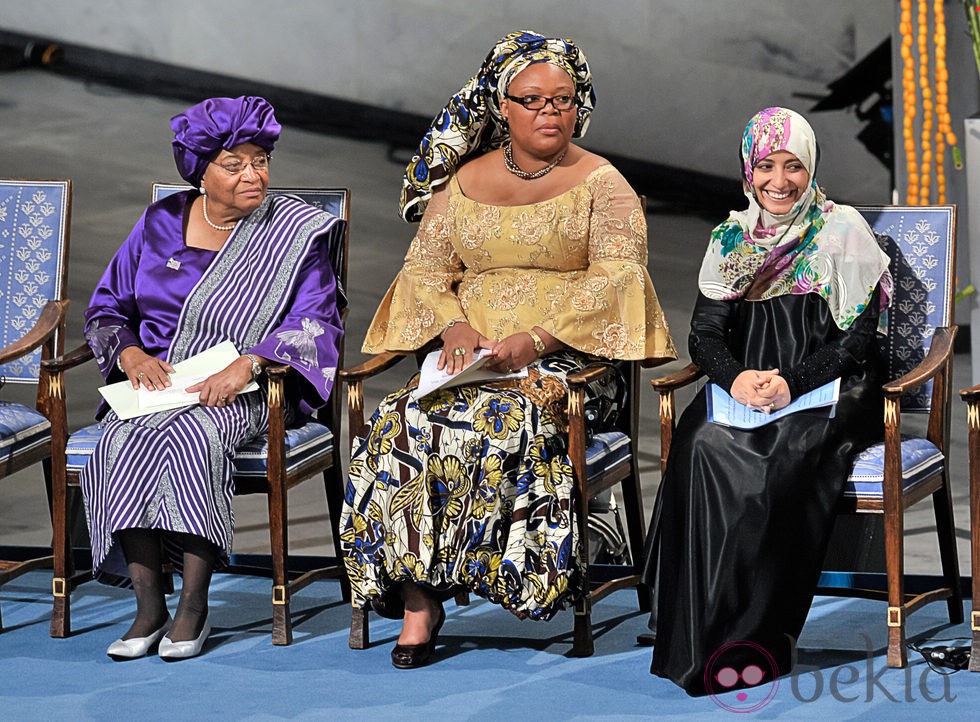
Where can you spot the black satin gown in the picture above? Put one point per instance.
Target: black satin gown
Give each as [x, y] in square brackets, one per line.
[743, 517]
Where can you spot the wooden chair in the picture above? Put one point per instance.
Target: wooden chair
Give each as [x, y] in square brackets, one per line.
[35, 219]
[271, 465]
[599, 463]
[890, 477]
[972, 398]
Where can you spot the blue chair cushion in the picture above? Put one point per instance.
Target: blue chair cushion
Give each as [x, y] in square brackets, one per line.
[21, 429]
[920, 460]
[605, 451]
[80, 446]
[302, 444]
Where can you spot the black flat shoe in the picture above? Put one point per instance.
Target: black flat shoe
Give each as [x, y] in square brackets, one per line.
[411, 656]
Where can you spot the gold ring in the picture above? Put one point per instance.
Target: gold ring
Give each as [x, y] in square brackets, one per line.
[223, 399]
[140, 375]
[771, 406]
[459, 351]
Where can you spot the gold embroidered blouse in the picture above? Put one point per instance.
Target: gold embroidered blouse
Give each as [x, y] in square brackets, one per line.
[575, 265]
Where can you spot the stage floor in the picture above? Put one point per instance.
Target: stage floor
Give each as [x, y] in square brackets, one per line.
[488, 666]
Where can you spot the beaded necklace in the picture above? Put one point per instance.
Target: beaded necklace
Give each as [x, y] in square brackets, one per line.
[525, 175]
[207, 220]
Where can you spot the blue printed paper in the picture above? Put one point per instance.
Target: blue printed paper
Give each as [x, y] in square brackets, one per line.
[723, 409]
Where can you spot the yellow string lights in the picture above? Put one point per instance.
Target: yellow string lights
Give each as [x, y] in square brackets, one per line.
[925, 177]
[935, 122]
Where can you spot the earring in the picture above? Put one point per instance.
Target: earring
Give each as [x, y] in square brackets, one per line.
[203, 192]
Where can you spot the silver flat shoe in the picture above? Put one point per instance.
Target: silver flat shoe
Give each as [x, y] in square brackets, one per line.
[170, 650]
[137, 646]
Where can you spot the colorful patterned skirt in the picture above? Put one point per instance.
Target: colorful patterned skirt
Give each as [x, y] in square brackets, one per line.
[469, 488]
[170, 471]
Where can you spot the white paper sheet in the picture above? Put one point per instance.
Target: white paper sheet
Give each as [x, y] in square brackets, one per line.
[126, 401]
[433, 379]
[176, 394]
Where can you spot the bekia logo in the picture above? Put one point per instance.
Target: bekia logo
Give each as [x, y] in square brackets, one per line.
[756, 672]
[751, 670]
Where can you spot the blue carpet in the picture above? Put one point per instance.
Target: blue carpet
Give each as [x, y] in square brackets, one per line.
[491, 666]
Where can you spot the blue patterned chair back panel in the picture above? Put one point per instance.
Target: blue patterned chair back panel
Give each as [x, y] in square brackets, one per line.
[33, 242]
[920, 242]
[332, 200]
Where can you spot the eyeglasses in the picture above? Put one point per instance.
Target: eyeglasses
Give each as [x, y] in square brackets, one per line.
[233, 166]
[538, 102]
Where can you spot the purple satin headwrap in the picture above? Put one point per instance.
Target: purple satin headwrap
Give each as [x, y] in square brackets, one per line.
[204, 129]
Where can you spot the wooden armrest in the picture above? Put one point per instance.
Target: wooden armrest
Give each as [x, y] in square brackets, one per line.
[939, 353]
[75, 357]
[971, 395]
[51, 318]
[588, 373]
[372, 367]
[690, 373]
[354, 377]
[277, 371]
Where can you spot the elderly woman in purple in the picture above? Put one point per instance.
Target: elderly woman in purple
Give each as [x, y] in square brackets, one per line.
[221, 262]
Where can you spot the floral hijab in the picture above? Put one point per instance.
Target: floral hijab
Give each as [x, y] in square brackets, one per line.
[471, 122]
[818, 247]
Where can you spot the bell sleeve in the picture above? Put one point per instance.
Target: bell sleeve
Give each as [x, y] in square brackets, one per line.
[612, 310]
[308, 336]
[422, 299]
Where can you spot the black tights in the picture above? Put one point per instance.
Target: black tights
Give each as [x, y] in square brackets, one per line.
[144, 558]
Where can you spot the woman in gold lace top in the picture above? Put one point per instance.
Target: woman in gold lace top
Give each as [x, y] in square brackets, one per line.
[535, 250]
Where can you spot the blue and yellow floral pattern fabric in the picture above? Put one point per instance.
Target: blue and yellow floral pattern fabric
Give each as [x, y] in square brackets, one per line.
[468, 487]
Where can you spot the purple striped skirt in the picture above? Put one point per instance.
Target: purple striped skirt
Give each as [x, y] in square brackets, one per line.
[170, 471]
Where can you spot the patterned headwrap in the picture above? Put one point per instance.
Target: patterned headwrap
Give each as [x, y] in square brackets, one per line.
[818, 247]
[472, 123]
[204, 129]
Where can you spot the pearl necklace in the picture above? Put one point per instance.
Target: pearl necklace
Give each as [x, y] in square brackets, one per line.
[207, 220]
[523, 174]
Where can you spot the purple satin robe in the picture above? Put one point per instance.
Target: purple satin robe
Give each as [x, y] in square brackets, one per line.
[141, 296]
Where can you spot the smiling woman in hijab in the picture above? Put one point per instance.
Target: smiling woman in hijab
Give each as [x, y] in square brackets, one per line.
[534, 250]
[790, 295]
[221, 262]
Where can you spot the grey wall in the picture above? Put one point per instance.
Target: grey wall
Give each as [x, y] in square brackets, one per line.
[676, 79]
